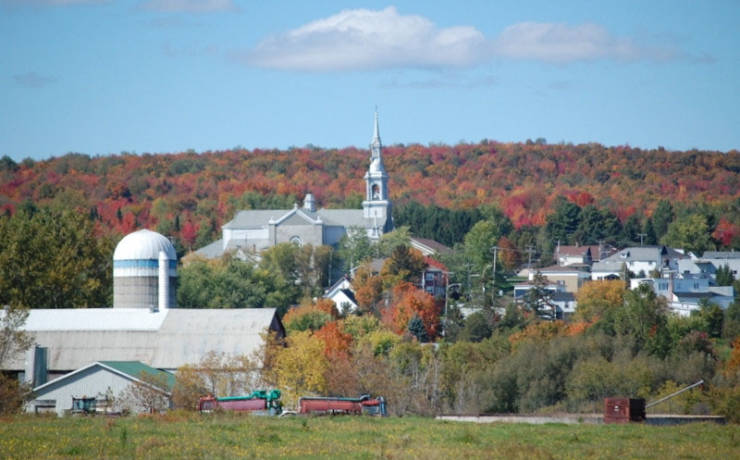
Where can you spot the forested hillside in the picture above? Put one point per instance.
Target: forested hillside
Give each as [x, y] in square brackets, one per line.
[190, 195]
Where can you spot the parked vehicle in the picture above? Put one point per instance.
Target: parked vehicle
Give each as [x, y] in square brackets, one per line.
[260, 401]
[339, 405]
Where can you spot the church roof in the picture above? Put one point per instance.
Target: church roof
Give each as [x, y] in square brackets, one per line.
[255, 218]
[261, 218]
[212, 250]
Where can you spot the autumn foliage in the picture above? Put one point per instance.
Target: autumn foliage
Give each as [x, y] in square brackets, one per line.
[189, 195]
[409, 301]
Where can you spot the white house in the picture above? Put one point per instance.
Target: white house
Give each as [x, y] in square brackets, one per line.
[638, 260]
[342, 295]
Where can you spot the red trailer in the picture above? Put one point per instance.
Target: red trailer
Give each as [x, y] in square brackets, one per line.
[338, 405]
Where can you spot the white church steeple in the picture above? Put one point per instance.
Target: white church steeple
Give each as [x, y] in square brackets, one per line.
[377, 206]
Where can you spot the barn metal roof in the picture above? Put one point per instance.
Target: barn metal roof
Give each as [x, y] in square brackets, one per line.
[164, 340]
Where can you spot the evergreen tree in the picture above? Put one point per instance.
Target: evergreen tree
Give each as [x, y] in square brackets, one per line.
[631, 230]
[662, 218]
[417, 329]
[724, 276]
[562, 224]
[649, 231]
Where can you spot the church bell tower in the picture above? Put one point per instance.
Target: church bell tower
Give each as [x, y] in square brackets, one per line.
[377, 206]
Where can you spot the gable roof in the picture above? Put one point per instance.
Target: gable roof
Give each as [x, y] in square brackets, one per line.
[573, 251]
[137, 368]
[350, 295]
[429, 247]
[259, 218]
[131, 370]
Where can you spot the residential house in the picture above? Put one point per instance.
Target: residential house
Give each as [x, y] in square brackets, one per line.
[641, 261]
[706, 266]
[685, 295]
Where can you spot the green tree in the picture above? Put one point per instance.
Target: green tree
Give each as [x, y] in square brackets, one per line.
[631, 230]
[712, 316]
[643, 317]
[390, 241]
[404, 264]
[416, 328]
[355, 247]
[476, 328]
[562, 224]
[649, 231]
[53, 259]
[724, 276]
[478, 243]
[538, 298]
[662, 218]
[690, 232]
[591, 227]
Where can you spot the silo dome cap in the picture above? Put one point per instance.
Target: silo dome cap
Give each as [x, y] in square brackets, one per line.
[144, 244]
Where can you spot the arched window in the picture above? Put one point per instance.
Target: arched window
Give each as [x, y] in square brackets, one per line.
[296, 240]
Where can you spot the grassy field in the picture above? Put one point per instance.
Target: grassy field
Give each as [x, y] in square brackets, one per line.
[234, 436]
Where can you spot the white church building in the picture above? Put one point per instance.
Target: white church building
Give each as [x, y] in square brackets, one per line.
[255, 230]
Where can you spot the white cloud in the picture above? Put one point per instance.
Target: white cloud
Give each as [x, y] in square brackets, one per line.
[190, 6]
[367, 39]
[565, 43]
[370, 39]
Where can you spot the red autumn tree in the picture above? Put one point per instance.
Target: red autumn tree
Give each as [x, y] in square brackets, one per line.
[409, 301]
[336, 341]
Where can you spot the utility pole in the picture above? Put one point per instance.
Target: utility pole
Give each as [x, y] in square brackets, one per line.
[641, 235]
[493, 282]
[529, 251]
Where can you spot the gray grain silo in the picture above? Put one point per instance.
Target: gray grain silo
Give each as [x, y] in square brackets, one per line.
[144, 271]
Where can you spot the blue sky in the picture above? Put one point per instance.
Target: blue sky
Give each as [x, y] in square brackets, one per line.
[100, 77]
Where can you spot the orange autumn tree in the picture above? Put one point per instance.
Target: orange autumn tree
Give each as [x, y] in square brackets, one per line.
[409, 301]
[336, 341]
[368, 288]
[327, 306]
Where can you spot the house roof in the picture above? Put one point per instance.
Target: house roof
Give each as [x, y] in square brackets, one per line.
[429, 247]
[137, 368]
[562, 269]
[129, 369]
[350, 295]
[574, 250]
[165, 340]
[721, 255]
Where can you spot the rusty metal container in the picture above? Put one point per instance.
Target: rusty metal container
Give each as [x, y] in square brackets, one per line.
[624, 410]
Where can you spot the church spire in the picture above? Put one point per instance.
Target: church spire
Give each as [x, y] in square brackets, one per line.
[376, 132]
[375, 144]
